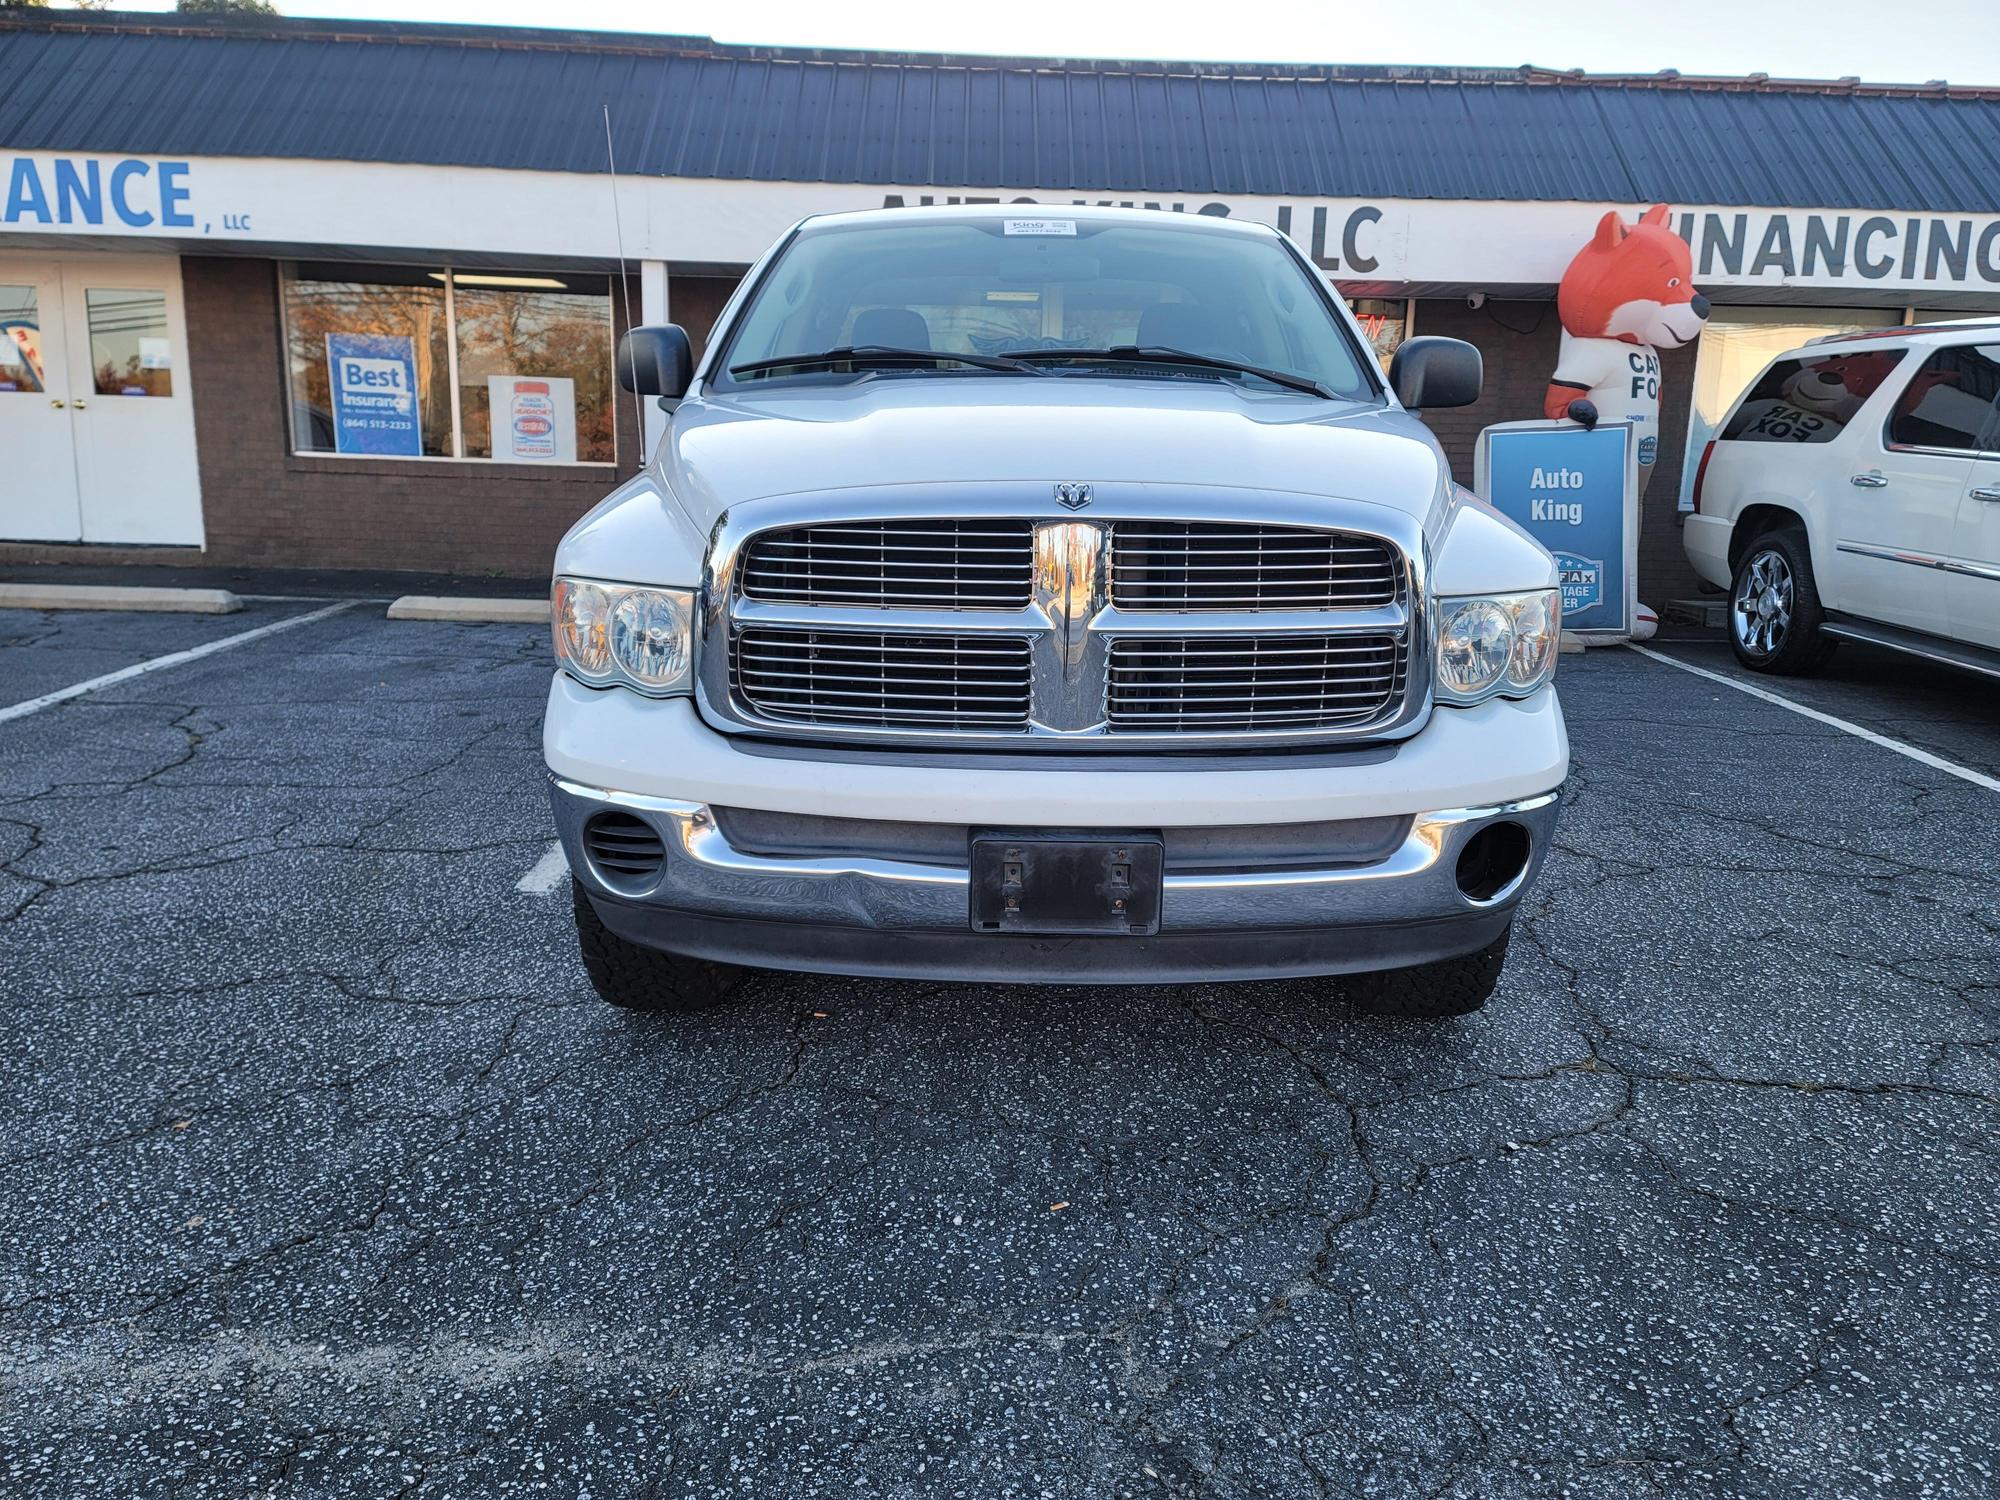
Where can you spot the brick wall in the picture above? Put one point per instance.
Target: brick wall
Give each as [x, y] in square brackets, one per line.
[262, 505]
[1520, 341]
[695, 302]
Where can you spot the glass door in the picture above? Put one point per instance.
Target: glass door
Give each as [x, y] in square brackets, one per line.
[137, 480]
[38, 490]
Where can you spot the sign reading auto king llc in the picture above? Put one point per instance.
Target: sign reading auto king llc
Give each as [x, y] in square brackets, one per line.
[1360, 242]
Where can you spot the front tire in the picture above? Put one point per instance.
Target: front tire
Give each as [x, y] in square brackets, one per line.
[1450, 987]
[634, 977]
[1774, 608]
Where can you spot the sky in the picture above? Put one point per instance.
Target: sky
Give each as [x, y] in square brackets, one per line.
[1879, 40]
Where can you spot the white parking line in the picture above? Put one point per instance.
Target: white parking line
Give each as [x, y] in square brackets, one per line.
[543, 875]
[161, 663]
[1922, 757]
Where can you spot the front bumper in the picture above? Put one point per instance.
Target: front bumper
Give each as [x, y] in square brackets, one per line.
[830, 912]
[907, 917]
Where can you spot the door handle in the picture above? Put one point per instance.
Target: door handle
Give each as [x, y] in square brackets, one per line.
[79, 404]
[1987, 492]
[58, 403]
[1869, 481]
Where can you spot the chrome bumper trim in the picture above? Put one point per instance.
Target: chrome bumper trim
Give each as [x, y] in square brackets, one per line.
[704, 873]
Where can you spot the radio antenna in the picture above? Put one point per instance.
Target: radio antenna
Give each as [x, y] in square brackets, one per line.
[624, 280]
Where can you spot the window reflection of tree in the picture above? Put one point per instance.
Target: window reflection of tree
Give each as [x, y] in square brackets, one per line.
[316, 308]
[501, 331]
[118, 322]
[508, 331]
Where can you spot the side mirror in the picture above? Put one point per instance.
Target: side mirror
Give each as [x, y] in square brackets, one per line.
[656, 361]
[1432, 372]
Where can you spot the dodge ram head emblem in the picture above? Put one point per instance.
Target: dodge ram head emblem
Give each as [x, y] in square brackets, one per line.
[1072, 496]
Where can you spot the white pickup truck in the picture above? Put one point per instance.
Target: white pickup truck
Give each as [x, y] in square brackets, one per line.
[1052, 599]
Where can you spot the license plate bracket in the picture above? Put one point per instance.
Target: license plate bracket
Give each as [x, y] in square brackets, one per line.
[1082, 884]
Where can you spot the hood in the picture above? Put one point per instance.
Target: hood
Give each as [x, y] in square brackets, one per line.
[723, 451]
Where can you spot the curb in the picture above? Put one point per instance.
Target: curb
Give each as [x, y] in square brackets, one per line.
[472, 611]
[118, 596]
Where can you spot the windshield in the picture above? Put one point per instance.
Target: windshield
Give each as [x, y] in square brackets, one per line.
[973, 287]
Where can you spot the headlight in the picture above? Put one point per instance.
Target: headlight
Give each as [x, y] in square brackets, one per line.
[1504, 643]
[619, 634]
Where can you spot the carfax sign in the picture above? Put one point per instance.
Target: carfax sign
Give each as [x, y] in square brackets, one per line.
[1576, 492]
[374, 382]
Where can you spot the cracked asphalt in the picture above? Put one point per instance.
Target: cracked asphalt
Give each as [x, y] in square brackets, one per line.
[326, 1175]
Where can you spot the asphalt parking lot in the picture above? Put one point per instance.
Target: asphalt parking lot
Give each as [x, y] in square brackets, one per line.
[326, 1175]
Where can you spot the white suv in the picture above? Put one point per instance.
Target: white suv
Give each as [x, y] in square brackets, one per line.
[1854, 494]
[1054, 599]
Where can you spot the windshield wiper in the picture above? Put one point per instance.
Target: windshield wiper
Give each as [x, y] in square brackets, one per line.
[1159, 354]
[887, 354]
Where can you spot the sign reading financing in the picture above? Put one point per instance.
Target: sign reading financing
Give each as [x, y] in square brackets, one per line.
[1573, 489]
[373, 378]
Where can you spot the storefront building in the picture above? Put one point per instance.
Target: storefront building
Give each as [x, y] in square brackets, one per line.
[317, 294]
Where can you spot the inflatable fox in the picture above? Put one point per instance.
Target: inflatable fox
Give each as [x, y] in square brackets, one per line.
[1628, 292]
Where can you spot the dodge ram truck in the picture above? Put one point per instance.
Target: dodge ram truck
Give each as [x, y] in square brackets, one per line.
[1049, 596]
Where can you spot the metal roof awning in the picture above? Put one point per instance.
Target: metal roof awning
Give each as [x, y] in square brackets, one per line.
[685, 107]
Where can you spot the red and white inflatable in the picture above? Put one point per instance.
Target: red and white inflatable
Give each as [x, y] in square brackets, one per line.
[1628, 293]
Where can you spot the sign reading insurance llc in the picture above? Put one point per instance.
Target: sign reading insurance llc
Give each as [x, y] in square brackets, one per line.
[99, 194]
[1577, 493]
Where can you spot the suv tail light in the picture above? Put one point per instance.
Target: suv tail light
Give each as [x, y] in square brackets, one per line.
[1701, 473]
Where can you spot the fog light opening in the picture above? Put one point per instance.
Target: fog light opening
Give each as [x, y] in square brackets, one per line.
[624, 850]
[1492, 861]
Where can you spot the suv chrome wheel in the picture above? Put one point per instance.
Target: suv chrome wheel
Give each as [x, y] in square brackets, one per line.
[1760, 614]
[1774, 608]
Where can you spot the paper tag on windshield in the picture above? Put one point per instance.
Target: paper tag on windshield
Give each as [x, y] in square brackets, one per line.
[1040, 226]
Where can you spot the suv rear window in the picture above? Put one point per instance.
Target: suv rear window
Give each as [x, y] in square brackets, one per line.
[1950, 402]
[1809, 400]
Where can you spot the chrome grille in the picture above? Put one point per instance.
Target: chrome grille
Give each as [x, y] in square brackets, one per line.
[883, 680]
[1186, 566]
[951, 614]
[1217, 683]
[921, 564]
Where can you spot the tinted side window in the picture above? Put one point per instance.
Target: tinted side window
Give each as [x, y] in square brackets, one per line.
[1809, 400]
[1950, 401]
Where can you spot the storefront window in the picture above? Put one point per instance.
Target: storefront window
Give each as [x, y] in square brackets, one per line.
[1386, 321]
[535, 352]
[388, 324]
[374, 349]
[1736, 345]
[129, 350]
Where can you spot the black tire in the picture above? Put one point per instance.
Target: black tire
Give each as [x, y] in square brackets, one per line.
[1774, 608]
[640, 978]
[1451, 987]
